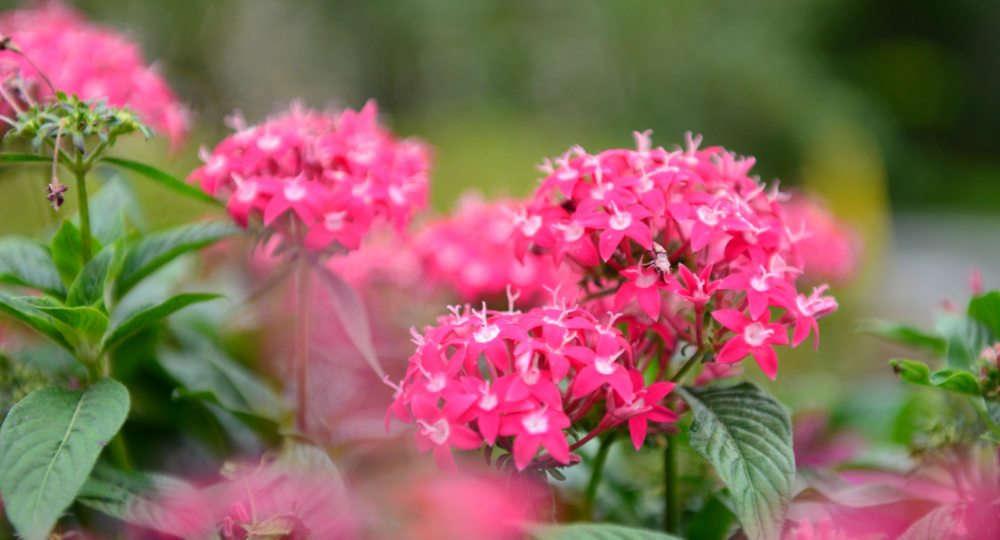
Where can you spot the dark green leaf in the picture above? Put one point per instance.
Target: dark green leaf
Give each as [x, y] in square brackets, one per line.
[67, 252]
[594, 531]
[351, 313]
[48, 445]
[150, 314]
[153, 251]
[23, 262]
[24, 158]
[162, 178]
[905, 334]
[747, 436]
[713, 522]
[37, 320]
[88, 288]
[87, 322]
[953, 380]
[986, 309]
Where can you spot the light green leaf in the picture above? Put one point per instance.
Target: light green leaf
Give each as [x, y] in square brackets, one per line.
[24, 158]
[108, 209]
[87, 322]
[23, 262]
[352, 315]
[905, 334]
[150, 314]
[986, 309]
[48, 445]
[153, 251]
[163, 178]
[88, 287]
[954, 380]
[37, 320]
[747, 436]
[67, 251]
[594, 531]
[966, 339]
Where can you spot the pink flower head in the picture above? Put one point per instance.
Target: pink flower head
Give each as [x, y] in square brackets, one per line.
[755, 337]
[645, 285]
[91, 61]
[319, 178]
[534, 429]
[644, 408]
[602, 367]
[439, 431]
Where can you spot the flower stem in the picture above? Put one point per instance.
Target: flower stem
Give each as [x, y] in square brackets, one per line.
[595, 475]
[679, 376]
[302, 342]
[81, 192]
[670, 521]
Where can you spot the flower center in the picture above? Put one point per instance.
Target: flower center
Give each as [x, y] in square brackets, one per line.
[216, 164]
[645, 281]
[486, 333]
[247, 192]
[755, 334]
[438, 431]
[531, 225]
[620, 221]
[269, 143]
[436, 383]
[536, 424]
[488, 402]
[295, 191]
[759, 284]
[567, 173]
[334, 221]
[605, 365]
[709, 216]
[599, 191]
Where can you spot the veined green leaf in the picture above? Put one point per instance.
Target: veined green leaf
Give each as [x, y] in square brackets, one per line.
[67, 251]
[747, 436]
[966, 339]
[594, 531]
[109, 208]
[152, 252]
[954, 380]
[37, 320]
[48, 445]
[88, 287]
[150, 314]
[162, 178]
[87, 322]
[23, 262]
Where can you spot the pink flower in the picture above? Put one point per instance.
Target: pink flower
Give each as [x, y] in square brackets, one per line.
[830, 249]
[91, 61]
[601, 367]
[534, 429]
[762, 287]
[439, 430]
[645, 408]
[619, 224]
[755, 337]
[646, 286]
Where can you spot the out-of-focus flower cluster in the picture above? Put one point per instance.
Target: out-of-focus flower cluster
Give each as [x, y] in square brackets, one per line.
[85, 59]
[829, 249]
[318, 177]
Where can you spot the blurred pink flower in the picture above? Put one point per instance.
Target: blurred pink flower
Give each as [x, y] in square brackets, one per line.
[88, 60]
[830, 248]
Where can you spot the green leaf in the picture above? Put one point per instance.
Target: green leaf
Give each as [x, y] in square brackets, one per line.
[351, 313]
[986, 309]
[23, 262]
[48, 445]
[164, 179]
[37, 320]
[594, 531]
[132, 498]
[88, 287]
[153, 251]
[954, 380]
[24, 158]
[966, 339]
[905, 334]
[67, 251]
[149, 314]
[108, 209]
[713, 522]
[747, 436]
[87, 322]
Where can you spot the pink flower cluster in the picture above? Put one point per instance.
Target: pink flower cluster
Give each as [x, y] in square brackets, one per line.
[684, 233]
[88, 60]
[514, 398]
[828, 247]
[318, 177]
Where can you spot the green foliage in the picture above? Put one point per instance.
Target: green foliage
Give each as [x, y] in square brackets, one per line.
[77, 323]
[74, 119]
[49, 442]
[162, 178]
[88, 287]
[133, 498]
[26, 263]
[594, 531]
[747, 436]
[953, 380]
[35, 319]
[149, 314]
[67, 252]
[966, 339]
[908, 335]
[986, 309]
[24, 158]
[152, 252]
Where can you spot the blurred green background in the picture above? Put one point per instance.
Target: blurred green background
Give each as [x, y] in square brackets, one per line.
[888, 108]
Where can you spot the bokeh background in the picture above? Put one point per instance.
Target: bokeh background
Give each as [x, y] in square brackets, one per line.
[887, 108]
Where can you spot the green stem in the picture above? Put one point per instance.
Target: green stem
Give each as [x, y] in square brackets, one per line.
[120, 452]
[81, 192]
[670, 496]
[595, 476]
[679, 376]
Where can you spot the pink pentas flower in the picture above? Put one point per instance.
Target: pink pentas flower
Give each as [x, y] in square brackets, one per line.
[644, 408]
[439, 431]
[88, 60]
[645, 285]
[321, 179]
[601, 367]
[753, 336]
[534, 429]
